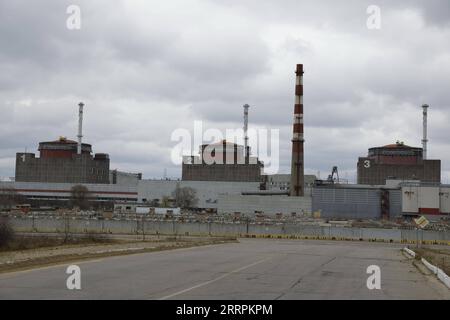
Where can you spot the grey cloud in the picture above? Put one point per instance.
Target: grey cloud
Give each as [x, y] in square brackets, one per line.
[147, 68]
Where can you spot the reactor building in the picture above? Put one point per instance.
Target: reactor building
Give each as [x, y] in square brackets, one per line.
[222, 161]
[64, 161]
[397, 161]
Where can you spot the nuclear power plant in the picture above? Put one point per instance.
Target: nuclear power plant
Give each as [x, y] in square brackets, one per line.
[394, 180]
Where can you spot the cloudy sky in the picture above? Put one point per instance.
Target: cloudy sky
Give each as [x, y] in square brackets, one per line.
[145, 68]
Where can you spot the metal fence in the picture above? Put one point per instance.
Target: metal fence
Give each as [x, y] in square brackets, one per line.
[353, 203]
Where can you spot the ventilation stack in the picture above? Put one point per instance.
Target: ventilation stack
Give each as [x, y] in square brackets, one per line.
[425, 139]
[246, 147]
[297, 167]
[80, 126]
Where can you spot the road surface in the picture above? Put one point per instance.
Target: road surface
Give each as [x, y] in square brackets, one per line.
[251, 269]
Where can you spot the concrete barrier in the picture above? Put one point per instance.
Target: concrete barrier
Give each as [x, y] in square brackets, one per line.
[410, 252]
[445, 279]
[240, 229]
[433, 268]
[438, 272]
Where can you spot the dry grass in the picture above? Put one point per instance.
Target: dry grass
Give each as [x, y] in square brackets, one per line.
[35, 242]
[43, 251]
[437, 257]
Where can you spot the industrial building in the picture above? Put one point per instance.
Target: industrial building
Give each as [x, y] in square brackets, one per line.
[64, 161]
[269, 205]
[395, 199]
[272, 201]
[349, 201]
[282, 182]
[396, 161]
[124, 178]
[207, 192]
[399, 161]
[58, 195]
[425, 198]
[222, 161]
[146, 191]
[393, 180]
[60, 162]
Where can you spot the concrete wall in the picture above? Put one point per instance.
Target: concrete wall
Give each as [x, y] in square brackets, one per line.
[222, 172]
[371, 173]
[418, 199]
[269, 205]
[232, 229]
[429, 198]
[78, 169]
[445, 200]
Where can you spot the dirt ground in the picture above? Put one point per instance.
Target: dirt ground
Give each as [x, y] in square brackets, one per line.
[51, 251]
[438, 257]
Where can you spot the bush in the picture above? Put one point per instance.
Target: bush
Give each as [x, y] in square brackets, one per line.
[6, 232]
[96, 237]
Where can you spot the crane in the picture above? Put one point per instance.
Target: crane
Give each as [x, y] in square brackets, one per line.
[334, 176]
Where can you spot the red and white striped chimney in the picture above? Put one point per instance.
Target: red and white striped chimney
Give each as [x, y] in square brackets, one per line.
[297, 168]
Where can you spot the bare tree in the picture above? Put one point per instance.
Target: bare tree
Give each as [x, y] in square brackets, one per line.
[79, 197]
[185, 197]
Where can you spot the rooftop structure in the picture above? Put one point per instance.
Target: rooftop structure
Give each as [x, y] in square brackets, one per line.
[222, 161]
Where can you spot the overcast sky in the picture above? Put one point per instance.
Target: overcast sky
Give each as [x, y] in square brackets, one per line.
[146, 68]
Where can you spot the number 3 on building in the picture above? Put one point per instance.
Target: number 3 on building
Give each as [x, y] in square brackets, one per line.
[366, 163]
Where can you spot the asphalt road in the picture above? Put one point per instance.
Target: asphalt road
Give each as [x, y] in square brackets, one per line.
[251, 269]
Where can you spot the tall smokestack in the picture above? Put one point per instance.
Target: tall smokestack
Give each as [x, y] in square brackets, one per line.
[80, 126]
[425, 139]
[297, 168]
[246, 148]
